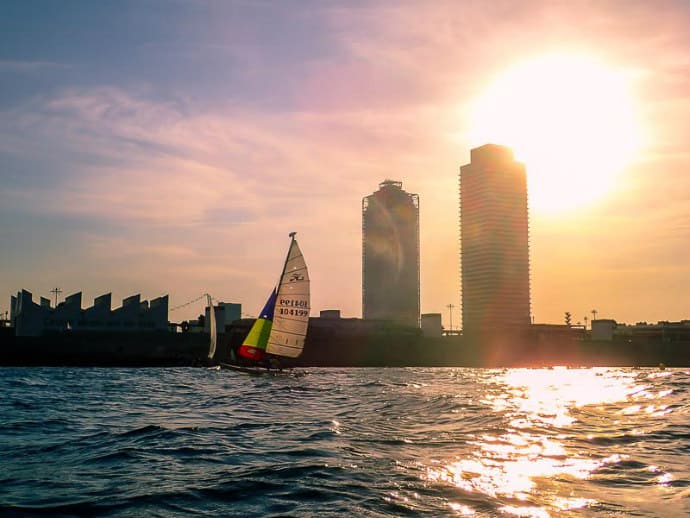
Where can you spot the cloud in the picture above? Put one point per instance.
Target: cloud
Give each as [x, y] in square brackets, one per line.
[139, 159]
[192, 186]
[216, 184]
[14, 66]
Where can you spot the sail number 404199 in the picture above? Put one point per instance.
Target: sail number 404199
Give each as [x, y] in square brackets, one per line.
[293, 307]
[293, 312]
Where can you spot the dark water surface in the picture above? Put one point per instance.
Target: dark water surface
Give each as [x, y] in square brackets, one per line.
[364, 442]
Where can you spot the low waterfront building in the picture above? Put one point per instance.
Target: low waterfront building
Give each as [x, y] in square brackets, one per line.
[603, 329]
[32, 319]
[226, 313]
[642, 332]
[432, 325]
[555, 333]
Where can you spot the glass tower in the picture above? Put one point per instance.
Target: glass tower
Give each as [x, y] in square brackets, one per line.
[390, 255]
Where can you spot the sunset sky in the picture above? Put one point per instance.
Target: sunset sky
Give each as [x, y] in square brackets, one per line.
[170, 147]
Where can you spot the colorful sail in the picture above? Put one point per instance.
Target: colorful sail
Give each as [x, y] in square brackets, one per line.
[254, 345]
[281, 327]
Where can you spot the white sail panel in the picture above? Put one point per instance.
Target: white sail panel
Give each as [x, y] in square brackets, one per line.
[291, 315]
[212, 328]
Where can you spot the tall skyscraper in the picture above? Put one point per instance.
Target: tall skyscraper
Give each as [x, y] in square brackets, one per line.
[390, 254]
[494, 234]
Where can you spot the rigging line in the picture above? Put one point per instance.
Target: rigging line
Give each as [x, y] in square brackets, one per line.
[188, 303]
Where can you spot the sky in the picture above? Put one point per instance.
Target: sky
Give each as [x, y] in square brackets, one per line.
[161, 147]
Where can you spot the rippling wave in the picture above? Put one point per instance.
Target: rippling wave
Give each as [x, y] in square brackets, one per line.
[365, 442]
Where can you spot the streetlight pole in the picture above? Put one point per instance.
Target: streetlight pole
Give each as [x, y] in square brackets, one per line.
[56, 291]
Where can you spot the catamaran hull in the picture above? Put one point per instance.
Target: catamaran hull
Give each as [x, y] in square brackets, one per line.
[262, 371]
[254, 371]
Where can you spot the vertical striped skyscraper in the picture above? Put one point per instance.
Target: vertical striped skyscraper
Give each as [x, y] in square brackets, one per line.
[390, 255]
[494, 234]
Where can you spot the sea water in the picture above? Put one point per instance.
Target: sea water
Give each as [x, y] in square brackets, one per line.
[358, 442]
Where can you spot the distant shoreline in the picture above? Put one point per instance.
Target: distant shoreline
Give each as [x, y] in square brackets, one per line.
[165, 349]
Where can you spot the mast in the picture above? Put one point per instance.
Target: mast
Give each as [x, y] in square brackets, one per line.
[287, 256]
[292, 240]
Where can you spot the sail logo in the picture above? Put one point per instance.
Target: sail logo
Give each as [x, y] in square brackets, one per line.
[296, 277]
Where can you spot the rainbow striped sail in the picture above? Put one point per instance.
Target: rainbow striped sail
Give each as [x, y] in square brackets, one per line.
[281, 327]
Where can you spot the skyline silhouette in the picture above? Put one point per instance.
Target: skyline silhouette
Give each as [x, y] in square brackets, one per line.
[170, 154]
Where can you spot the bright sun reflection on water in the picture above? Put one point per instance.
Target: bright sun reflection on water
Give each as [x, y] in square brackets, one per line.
[546, 397]
[527, 463]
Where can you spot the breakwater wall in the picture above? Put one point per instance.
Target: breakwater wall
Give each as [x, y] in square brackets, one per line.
[327, 346]
[136, 349]
[342, 346]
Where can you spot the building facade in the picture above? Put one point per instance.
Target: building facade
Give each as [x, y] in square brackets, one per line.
[431, 324]
[390, 255]
[225, 312]
[31, 319]
[494, 242]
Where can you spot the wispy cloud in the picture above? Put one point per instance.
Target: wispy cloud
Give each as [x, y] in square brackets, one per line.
[12, 66]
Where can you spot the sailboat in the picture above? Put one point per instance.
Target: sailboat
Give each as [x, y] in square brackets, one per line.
[281, 327]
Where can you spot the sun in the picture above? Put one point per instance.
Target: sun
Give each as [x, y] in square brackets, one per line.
[570, 118]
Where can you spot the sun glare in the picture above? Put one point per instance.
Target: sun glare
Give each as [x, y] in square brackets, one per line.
[570, 119]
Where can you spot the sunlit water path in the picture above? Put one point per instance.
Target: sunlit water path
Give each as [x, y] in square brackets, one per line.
[365, 442]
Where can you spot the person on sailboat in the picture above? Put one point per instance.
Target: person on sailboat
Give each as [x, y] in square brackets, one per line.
[274, 364]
